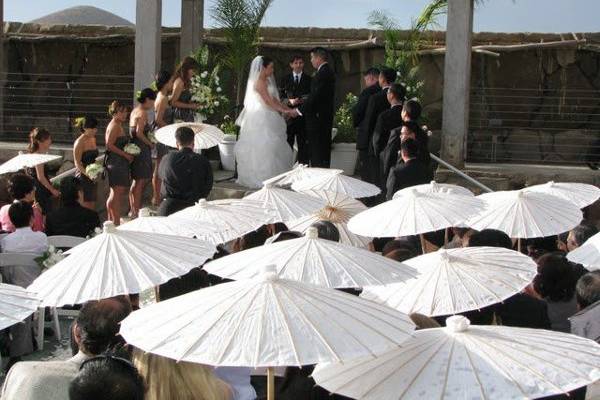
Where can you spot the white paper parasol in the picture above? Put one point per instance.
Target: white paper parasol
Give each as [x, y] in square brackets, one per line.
[580, 194]
[232, 218]
[265, 322]
[26, 160]
[207, 136]
[588, 254]
[300, 172]
[287, 205]
[457, 280]
[526, 214]
[315, 261]
[338, 183]
[16, 304]
[167, 226]
[413, 213]
[469, 362]
[443, 188]
[118, 262]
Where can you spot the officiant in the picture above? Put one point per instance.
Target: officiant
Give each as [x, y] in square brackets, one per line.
[295, 87]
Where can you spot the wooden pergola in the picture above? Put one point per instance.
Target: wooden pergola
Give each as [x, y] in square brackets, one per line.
[457, 69]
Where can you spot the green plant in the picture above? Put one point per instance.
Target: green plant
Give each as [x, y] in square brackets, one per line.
[346, 133]
[229, 127]
[401, 51]
[240, 22]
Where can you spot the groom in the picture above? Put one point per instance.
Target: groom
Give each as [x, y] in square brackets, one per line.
[318, 109]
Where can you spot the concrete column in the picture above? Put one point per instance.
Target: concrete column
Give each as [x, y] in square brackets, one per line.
[457, 81]
[2, 68]
[192, 24]
[148, 18]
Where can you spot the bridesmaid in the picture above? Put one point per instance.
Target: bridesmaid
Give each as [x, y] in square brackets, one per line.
[39, 143]
[117, 161]
[85, 153]
[181, 100]
[141, 167]
[163, 117]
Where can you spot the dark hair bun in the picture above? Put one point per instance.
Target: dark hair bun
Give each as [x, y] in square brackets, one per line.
[162, 78]
[146, 94]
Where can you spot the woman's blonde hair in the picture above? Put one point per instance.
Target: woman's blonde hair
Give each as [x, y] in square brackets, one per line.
[167, 379]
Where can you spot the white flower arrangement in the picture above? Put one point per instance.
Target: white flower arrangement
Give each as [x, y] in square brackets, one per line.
[94, 171]
[152, 137]
[132, 149]
[50, 257]
[97, 231]
[207, 92]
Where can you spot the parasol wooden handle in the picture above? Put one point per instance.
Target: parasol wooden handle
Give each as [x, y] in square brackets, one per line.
[270, 383]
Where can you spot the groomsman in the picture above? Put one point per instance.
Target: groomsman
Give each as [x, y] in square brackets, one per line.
[295, 87]
[378, 103]
[371, 79]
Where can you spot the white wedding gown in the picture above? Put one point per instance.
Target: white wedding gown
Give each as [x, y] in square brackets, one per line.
[262, 151]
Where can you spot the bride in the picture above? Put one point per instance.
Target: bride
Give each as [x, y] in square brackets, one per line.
[262, 151]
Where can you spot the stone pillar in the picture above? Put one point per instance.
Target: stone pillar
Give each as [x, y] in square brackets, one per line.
[148, 18]
[457, 81]
[2, 68]
[192, 24]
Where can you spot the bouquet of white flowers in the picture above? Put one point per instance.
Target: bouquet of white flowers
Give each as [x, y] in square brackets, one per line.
[50, 257]
[152, 137]
[206, 90]
[132, 149]
[94, 171]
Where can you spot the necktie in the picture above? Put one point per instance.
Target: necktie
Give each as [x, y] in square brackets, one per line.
[297, 79]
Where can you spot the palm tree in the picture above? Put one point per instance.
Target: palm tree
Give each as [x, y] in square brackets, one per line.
[240, 22]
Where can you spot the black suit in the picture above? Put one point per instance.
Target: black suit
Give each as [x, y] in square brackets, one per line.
[378, 103]
[362, 136]
[186, 178]
[386, 122]
[318, 109]
[296, 129]
[403, 175]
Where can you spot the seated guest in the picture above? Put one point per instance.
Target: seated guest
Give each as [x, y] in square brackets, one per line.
[410, 172]
[95, 332]
[401, 254]
[167, 379]
[586, 322]
[187, 176]
[580, 234]
[405, 243]
[327, 230]
[107, 378]
[71, 218]
[520, 310]
[22, 187]
[561, 242]
[537, 247]
[22, 240]
[555, 283]
[460, 238]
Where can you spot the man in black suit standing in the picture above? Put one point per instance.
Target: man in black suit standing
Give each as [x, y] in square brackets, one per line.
[409, 172]
[371, 79]
[389, 119]
[295, 87]
[378, 103]
[318, 109]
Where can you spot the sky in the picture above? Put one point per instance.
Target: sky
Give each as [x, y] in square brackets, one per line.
[493, 16]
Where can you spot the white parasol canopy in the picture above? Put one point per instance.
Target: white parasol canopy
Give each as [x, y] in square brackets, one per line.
[265, 322]
[26, 160]
[338, 183]
[167, 226]
[315, 261]
[588, 254]
[443, 188]
[207, 136]
[338, 210]
[287, 205]
[457, 280]
[300, 172]
[526, 214]
[16, 304]
[469, 362]
[233, 218]
[580, 194]
[413, 212]
[118, 262]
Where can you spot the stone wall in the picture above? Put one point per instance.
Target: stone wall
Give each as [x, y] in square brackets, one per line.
[554, 122]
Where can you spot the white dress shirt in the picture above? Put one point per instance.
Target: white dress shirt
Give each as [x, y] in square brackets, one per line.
[24, 240]
[297, 77]
[238, 379]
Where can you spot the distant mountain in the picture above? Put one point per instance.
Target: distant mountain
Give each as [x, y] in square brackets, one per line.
[82, 15]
